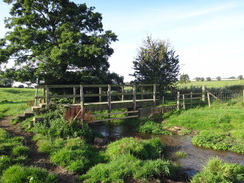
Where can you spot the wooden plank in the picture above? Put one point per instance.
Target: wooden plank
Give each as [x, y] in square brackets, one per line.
[127, 112]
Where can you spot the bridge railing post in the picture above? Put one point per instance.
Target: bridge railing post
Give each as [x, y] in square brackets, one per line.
[109, 98]
[178, 100]
[47, 94]
[74, 95]
[154, 94]
[134, 97]
[81, 96]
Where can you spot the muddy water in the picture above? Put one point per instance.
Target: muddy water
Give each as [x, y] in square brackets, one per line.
[196, 157]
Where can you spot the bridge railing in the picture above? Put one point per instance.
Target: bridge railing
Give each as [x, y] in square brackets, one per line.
[90, 94]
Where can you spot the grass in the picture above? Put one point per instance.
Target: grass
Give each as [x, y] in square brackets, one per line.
[13, 101]
[154, 128]
[218, 171]
[226, 123]
[213, 84]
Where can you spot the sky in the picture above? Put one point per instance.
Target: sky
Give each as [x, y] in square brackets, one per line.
[208, 35]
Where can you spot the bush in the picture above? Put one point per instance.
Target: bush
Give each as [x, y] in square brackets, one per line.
[20, 174]
[218, 171]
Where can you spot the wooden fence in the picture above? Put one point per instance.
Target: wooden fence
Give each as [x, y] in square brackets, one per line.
[100, 97]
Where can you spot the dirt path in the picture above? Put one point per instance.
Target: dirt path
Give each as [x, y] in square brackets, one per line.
[36, 158]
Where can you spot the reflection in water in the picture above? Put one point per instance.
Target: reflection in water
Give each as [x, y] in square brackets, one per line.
[196, 157]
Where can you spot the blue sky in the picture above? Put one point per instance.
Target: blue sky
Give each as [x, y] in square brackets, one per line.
[208, 35]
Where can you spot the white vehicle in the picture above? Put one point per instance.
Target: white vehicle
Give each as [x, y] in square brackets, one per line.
[19, 85]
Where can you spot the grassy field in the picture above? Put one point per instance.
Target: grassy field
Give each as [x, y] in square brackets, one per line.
[14, 100]
[213, 84]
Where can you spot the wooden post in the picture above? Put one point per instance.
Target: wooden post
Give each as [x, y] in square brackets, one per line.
[47, 94]
[184, 103]
[109, 99]
[243, 95]
[154, 94]
[191, 99]
[81, 96]
[203, 92]
[163, 105]
[100, 94]
[36, 94]
[209, 102]
[134, 97]
[74, 93]
[123, 90]
[178, 100]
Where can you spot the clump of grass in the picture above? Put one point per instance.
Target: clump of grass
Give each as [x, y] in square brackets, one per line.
[218, 141]
[181, 154]
[218, 171]
[154, 128]
[76, 156]
[19, 174]
[127, 166]
[142, 149]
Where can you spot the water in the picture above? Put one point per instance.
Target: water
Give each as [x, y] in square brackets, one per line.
[196, 157]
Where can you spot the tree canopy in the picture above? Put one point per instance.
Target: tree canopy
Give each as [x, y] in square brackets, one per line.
[57, 41]
[156, 63]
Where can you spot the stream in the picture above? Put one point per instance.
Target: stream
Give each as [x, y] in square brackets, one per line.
[196, 157]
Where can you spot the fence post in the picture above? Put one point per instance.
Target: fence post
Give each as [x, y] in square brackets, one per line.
[109, 99]
[81, 96]
[47, 94]
[154, 94]
[123, 90]
[203, 92]
[36, 94]
[243, 95]
[134, 97]
[209, 102]
[184, 104]
[74, 95]
[191, 99]
[100, 92]
[178, 100]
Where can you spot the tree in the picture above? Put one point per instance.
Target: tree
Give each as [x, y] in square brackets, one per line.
[218, 78]
[184, 78]
[57, 41]
[208, 79]
[156, 63]
[240, 77]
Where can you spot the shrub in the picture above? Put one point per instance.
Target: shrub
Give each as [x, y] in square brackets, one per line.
[142, 149]
[19, 174]
[154, 128]
[218, 171]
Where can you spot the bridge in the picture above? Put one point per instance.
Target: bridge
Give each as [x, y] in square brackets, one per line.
[99, 98]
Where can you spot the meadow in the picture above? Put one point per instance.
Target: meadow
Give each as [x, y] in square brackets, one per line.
[212, 84]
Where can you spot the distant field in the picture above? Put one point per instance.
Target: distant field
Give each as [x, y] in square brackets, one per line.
[213, 84]
[13, 100]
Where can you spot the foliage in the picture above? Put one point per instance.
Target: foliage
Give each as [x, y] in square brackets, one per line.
[127, 166]
[184, 78]
[156, 63]
[218, 171]
[57, 41]
[19, 174]
[154, 128]
[76, 156]
[142, 149]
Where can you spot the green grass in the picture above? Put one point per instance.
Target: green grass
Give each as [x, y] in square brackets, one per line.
[218, 171]
[213, 84]
[20, 174]
[13, 101]
[154, 128]
[224, 121]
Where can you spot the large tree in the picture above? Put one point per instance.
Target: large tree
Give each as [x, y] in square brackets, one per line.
[57, 41]
[156, 63]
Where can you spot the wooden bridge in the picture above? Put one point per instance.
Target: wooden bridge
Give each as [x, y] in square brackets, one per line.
[99, 97]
